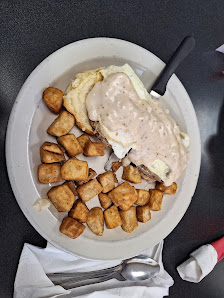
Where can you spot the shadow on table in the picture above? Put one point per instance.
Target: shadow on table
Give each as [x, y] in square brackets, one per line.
[215, 149]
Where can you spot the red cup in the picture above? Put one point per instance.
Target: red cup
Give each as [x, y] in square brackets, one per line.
[219, 247]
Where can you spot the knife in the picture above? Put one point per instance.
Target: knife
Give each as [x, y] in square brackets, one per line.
[159, 87]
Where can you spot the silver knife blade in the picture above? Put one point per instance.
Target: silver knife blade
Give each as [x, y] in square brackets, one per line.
[154, 94]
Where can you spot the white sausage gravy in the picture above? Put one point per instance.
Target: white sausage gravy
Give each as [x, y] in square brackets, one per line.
[152, 133]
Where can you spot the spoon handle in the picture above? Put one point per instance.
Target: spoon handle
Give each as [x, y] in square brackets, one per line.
[73, 283]
[58, 278]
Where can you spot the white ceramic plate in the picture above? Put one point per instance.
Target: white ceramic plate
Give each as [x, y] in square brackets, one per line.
[27, 131]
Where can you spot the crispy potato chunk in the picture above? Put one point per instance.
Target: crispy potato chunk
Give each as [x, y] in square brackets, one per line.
[49, 173]
[143, 197]
[95, 221]
[143, 213]
[61, 197]
[71, 227]
[91, 174]
[123, 196]
[53, 98]
[74, 169]
[93, 149]
[50, 157]
[83, 140]
[129, 220]
[71, 144]
[107, 180]
[62, 124]
[169, 190]
[116, 165]
[112, 217]
[131, 174]
[79, 211]
[52, 147]
[155, 200]
[89, 190]
[71, 185]
[105, 201]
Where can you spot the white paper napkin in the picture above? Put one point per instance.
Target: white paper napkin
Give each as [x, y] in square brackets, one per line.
[200, 264]
[31, 280]
[220, 49]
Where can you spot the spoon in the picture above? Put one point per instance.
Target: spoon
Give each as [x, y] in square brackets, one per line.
[133, 269]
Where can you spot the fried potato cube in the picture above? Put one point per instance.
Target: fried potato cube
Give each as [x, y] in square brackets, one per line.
[155, 200]
[71, 144]
[79, 211]
[61, 197]
[53, 98]
[62, 124]
[50, 157]
[105, 201]
[95, 221]
[131, 174]
[116, 165]
[143, 213]
[71, 185]
[74, 169]
[83, 140]
[129, 220]
[107, 180]
[89, 190]
[52, 147]
[71, 227]
[112, 217]
[49, 173]
[143, 197]
[93, 149]
[123, 196]
[169, 190]
[91, 174]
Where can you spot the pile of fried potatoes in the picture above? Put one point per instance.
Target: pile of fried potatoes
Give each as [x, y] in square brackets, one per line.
[123, 204]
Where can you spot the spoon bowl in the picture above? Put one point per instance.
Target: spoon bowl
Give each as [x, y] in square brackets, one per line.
[139, 268]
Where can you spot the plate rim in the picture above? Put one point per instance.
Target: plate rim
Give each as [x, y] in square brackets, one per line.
[8, 151]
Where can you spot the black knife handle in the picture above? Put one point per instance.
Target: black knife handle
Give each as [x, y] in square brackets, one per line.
[181, 52]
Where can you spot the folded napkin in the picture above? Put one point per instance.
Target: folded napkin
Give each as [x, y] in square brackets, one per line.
[202, 261]
[31, 279]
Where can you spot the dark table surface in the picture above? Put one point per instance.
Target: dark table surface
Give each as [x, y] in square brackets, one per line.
[31, 30]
